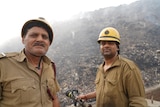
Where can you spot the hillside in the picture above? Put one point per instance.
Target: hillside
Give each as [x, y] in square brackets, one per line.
[76, 52]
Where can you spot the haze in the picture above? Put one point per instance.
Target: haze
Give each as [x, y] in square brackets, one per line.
[15, 12]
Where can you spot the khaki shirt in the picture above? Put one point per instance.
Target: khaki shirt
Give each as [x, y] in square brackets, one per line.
[120, 86]
[22, 86]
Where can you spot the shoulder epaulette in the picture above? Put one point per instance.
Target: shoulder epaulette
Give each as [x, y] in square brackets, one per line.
[3, 55]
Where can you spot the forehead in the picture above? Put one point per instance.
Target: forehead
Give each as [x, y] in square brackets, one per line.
[37, 29]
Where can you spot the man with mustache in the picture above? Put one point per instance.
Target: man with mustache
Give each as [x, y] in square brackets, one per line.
[118, 80]
[27, 79]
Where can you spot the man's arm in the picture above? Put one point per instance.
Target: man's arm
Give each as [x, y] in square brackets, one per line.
[135, 88]
[88, 96]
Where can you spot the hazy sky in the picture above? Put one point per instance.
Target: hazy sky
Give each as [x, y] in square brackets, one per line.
[15, 12]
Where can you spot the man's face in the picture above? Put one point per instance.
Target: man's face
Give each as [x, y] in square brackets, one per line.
[108, 49]
[36, 41]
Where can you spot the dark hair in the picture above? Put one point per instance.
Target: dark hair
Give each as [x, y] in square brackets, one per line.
[28, 25]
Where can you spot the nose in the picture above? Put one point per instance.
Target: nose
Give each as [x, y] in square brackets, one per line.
[39, 37]
[106, 44]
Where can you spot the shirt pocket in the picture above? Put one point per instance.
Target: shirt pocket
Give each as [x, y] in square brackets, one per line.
[98, 80]
[23, 90]
[111, 88]
[97, 83]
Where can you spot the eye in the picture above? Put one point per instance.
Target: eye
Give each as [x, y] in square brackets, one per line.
[103, 43]
[33, 35]
[45, 37]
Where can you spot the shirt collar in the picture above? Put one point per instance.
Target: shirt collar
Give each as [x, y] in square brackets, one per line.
[115, 63]
[22, 57]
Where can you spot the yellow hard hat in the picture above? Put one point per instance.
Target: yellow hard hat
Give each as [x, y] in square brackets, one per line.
[40, 22]
[109, 34]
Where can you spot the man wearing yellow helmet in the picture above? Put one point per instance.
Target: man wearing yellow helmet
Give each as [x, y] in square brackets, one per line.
[27, 78]
[118, 81]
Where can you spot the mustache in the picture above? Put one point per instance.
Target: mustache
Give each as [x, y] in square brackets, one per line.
[39, 44]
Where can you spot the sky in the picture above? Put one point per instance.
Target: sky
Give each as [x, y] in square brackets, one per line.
[14, 13]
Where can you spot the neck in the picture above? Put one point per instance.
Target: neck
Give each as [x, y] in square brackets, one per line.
[109, 61]
[34, 60]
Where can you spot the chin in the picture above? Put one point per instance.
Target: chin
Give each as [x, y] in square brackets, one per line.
[40, 53]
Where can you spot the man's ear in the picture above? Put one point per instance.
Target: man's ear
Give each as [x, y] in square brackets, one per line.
[23, 39]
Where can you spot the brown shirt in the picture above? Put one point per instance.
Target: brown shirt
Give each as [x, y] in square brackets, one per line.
[120, 86]
[22, 86]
